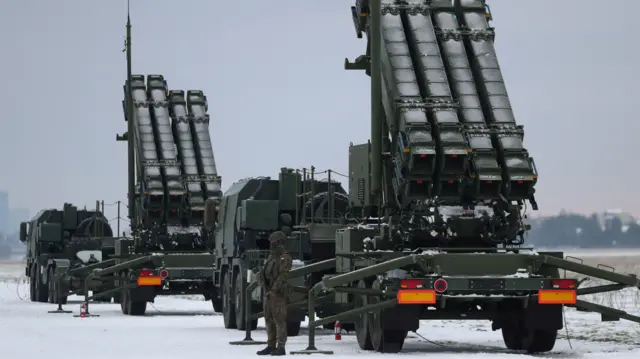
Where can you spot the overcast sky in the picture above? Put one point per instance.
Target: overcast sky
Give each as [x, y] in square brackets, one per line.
[278, 94]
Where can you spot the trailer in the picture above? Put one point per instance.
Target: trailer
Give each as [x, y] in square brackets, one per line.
[439, 195]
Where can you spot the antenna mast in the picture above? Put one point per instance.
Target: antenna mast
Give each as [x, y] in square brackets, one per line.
[131, 131]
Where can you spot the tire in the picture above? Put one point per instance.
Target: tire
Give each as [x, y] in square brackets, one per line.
[51, 290]
[124, 302]
[239, 303]
[54, 296]
[32, 286]
[228, 312]
[362, 323]
[517, 336]
[293, 328]
[42, 291]
[383, 340]
[216, 303]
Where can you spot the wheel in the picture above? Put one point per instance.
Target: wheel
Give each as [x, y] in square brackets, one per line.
[124, 302]
[228, 312]
[216, 303]
[361, 324]
[51, 290]
[383, 341]
[32, 286]
[42, 291]
[239, 304]
[293, 328]
[517, 336]
[54, 296]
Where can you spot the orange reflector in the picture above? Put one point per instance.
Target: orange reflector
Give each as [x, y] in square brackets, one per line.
[557, 297]
[416, 296]
[149, 281]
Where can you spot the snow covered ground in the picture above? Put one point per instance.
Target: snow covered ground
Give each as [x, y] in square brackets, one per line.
[182, 328]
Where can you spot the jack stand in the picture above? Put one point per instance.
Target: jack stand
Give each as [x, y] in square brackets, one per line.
[248, 340]
[59, 310]
[247, 289]
[311, 313]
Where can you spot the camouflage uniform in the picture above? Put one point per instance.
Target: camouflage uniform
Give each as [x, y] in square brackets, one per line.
[274, 276]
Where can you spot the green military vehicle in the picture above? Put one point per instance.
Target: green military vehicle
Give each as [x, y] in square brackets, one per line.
[61, 243]
[439, 194]
[305, 208]
[171, 173]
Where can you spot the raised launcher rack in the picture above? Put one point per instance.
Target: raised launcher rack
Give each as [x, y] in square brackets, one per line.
[518, 169]
[187, 154]
[151, 182]
[435, 96]
[199, 121]
[175, 191]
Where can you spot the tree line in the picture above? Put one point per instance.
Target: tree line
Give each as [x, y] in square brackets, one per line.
[578, 231]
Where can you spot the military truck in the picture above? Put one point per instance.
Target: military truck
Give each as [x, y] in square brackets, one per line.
[60, 241]
[308, 209]
[171, 173]
[439, 193]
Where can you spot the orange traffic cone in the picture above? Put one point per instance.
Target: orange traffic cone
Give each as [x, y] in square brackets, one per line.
[337, 330]
[83, 310]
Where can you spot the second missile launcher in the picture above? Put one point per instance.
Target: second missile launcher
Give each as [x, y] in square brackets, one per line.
[444, 139]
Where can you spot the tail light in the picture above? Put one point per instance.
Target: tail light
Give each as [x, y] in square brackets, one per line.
[563, 283]
[145, 273]
[411, 283]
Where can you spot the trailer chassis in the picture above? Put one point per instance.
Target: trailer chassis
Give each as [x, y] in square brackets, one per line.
[433, 260]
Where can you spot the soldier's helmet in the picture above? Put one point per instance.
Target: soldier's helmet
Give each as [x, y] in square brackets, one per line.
[277, 238]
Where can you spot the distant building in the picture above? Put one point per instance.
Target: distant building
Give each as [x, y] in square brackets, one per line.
[5, 214]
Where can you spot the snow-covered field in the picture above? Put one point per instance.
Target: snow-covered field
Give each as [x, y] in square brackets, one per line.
[182, 328]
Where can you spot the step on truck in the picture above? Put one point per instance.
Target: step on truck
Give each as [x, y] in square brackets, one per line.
[439, 194]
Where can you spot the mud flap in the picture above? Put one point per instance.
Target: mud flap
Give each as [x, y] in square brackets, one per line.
[547, 316]
[402, 317]
[142, 294]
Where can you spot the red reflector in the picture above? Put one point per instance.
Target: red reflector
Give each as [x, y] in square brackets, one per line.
[454, 156]
[440, 285]
[145, 273]
[450, 181]
[564, 284]
[411, 283]
[423, 156]
[419, 181]
[520, 182]
[164, 273]
[489, 182]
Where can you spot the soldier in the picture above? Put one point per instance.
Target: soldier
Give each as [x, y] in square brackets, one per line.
[274, 276]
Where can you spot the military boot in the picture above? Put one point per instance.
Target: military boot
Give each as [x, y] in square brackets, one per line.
[279, 351]
[266, 351]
